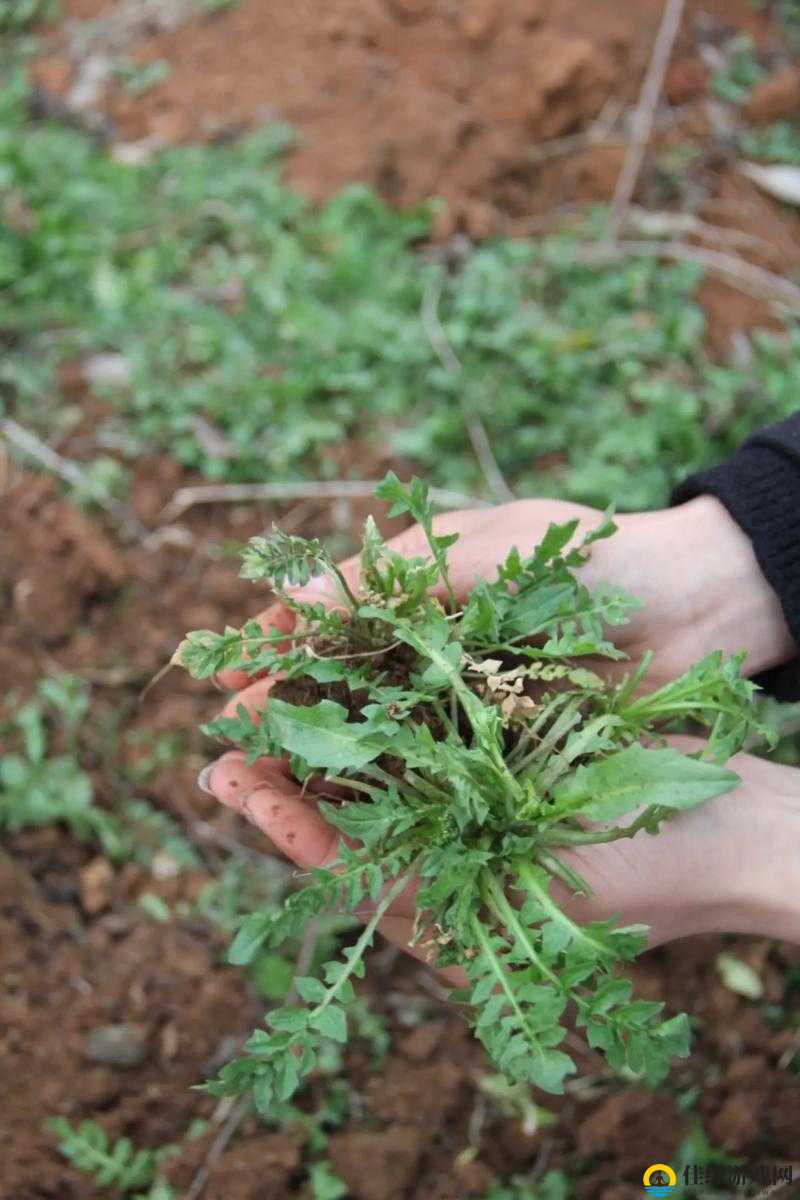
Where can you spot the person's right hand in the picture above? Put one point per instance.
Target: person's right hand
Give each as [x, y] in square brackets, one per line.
[691, 566]
[731, 865]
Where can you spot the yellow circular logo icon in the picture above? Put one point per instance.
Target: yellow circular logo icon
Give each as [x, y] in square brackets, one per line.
[659, 1180]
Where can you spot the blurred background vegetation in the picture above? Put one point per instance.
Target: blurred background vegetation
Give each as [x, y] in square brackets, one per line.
[188, 307]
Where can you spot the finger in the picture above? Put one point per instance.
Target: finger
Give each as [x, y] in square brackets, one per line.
[231, 776]
[472, 557]
[487, 535]
[410, 543]
[276, 806]
[275, 619]
[254, 699]
[296, 829]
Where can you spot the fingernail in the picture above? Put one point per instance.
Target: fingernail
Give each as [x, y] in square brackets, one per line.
[204, 779]
[215, 683]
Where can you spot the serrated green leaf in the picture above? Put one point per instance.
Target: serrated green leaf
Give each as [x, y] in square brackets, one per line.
[249, 939]
[330, 1022]
[287, 1019]
[325, 1185]
[368, 823]
[621, 782]
[311, 989]
[322, 735]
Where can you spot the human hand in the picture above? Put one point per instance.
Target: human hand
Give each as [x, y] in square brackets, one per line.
[691, 566]
[730, 865]
[702, 590]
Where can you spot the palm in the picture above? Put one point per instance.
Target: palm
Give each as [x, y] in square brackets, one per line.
[648, 558]
[641, 880]
[674, 883]
[664, 624]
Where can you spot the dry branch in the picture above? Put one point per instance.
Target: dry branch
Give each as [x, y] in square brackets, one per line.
[476, 430]
[756, 281]
[643, 115]
[70, 472]
[240, 493]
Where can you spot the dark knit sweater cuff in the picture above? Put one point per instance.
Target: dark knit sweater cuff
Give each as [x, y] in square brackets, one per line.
[760, 488]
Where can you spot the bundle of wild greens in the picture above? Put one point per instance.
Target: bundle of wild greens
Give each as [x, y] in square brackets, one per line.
[466, 744]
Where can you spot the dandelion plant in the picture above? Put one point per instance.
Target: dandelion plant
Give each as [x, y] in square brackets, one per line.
[467, 744]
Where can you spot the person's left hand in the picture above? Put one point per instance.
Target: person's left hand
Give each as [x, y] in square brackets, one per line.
[730, 865]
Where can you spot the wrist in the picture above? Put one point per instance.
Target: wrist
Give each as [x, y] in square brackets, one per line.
[731, 865]
[731, 605]
[755, 881]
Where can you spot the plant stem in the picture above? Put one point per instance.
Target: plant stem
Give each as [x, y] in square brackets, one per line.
[505, 912]
[345, 586]
[588, 837]
[530, 732]
[484, 941]
[578, 744]
[428, 788]
[501, 975]
[406, 784]
[567, 875]
[357, 952]
[357, 786]
[527, 876]
[441, 713]
[567, 718]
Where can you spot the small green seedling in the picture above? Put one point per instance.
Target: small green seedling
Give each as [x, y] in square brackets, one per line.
[112, 1164]
[39, 787]
[18, 15]
[467, 743]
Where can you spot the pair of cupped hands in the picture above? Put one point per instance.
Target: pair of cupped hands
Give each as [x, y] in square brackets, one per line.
[730, 865]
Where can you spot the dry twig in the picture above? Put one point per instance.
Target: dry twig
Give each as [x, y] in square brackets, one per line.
[756, 281]
[219, 1145]
[240, 1109]
[777, 1188]
[643, 115]
[239, 493]
[70, 472]
[597, 133]
[475, 427]
[659, 223]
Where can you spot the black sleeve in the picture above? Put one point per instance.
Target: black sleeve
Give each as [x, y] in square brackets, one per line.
[760, 487]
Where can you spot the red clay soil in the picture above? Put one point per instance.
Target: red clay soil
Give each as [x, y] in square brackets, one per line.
[422, 98]
[78, 953]
[414, 97]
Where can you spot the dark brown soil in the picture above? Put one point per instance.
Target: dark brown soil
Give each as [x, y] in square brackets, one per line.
[308, 692]
[393, 666]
